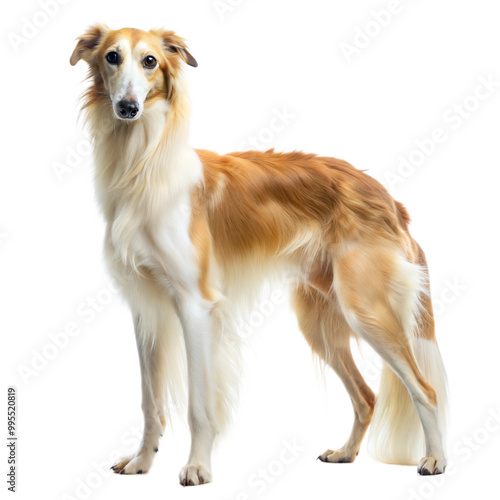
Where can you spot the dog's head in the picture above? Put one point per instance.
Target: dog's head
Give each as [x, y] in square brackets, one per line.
[133, 68]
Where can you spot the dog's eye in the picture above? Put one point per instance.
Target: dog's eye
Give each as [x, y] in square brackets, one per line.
[112, 58]
[149, 62]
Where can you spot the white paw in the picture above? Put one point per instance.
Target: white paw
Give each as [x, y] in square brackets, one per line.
[430, 466]
[338, 457]
[192, 475]
[135, 464]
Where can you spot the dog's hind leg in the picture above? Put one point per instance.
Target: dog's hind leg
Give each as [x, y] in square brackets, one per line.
[381, 295]
[328, 334]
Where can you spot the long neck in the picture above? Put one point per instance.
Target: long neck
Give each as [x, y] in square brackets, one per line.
[144, 157]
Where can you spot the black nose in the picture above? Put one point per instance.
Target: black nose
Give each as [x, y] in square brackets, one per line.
[128, 109]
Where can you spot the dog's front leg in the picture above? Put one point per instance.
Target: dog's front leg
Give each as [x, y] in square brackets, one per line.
[152, 364]
[196, 320]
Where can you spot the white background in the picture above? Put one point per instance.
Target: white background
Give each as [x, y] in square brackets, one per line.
[258, 56]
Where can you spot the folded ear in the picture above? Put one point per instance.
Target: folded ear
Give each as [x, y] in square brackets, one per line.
[175, 43]
[87, 43]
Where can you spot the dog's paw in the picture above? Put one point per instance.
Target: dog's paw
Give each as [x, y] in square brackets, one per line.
[192, 475]
[134, 464]
[430, 466]
[338, 457]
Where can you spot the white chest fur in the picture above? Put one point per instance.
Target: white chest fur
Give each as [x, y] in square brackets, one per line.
[145, 176]
[156, 241]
